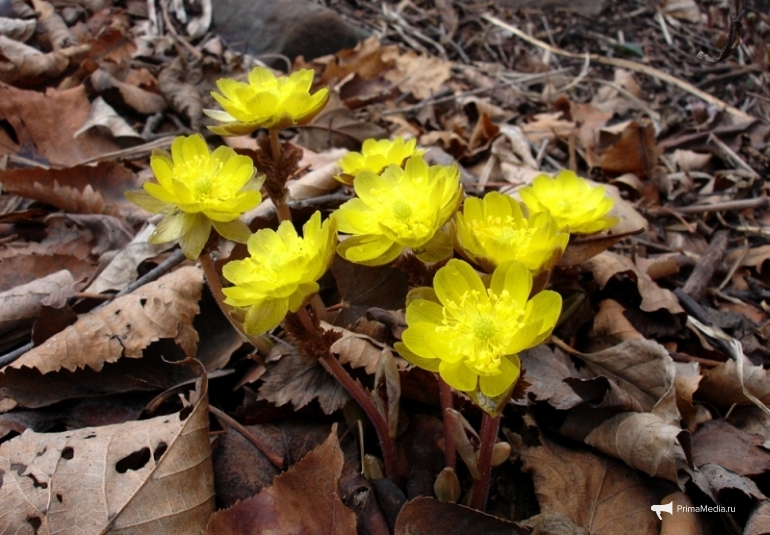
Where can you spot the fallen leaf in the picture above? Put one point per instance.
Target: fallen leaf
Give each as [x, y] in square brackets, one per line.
[124, 327]
[298, 379]
[303, 501]
[45, 124]
[428, 516]
[551, 126]
[21, 269]
[720, 443]
[24, 64]
[365, 60]
[627, 148]
[420, 75]
[20, 306]
[338, 126]
[150, 476]
[183, 96]
[357, 350]
[687, 160]
[682, 9]
[17, 29]
[545, 371]
[610, 326]
[606, 265]
[644, 442]
[759, 520]
[104, 116]
[601, 495]
[119, 93]
[722, 388]
[686, 521]
[82, 189]
[712, 479]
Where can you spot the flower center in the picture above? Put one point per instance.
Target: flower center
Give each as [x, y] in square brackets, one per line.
[201, 174]
[503, 231]
[481, 327]
[401, 210]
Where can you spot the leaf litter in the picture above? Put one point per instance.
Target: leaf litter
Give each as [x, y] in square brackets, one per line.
[632, 403]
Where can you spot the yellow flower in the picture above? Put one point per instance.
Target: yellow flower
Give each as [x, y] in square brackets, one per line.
[375, 156]
[266, 102]
[572, 201]
[401, 208]
[281, 272]
[471, 334]
[197, 189]
[494, 230]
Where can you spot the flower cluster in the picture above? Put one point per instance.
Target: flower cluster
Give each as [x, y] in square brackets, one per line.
[493, 230]
[266, 101]
[281, 273]
[575, 205]
[375, 156]
[197, 189]
[397, 209]
[471, 333]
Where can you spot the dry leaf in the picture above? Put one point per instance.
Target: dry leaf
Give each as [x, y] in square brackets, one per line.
[21, 305]
[144, 102]
[627, 148]
[22, 63]
[610, 326]
[546, 371]
[687, 160]
[601, 495]
[686, 521]
[606, 265]
[302, 501]
[83, 189]
[338, 126]
[357, 350]
[121, 271]
[549, 126]
[123, 328]
[644, 442]
[365, 60]
[17, 29]
[718, 442]
[182, 95]
[712, 479]
[25, 268]
[150, 476]
[298, 379]
[45, 124]
[759, 520]
[103, 115]
[682, 9]
[428, 516]
[721, 387]
[420, 75]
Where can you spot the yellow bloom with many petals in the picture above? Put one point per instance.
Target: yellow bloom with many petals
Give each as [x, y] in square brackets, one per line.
[197, 189]
[493, 230]
[398, 209]
[572, 201]
[281, 272]
[266, 101]
[375, 156]
[470, 333]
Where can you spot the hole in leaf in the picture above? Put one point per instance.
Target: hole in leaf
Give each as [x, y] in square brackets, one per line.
[67, 453]
[35, 522]
[142, 302]
[133, 461]
[159, 451]
[60, 498]
[184, 413]
[92, 435]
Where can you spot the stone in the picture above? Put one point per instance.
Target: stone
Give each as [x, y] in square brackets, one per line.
[288, 27]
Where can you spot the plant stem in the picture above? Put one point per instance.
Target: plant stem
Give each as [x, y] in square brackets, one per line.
[450, 455]
[357, 392]
[276, 150]
[488, 436]
[215, 285]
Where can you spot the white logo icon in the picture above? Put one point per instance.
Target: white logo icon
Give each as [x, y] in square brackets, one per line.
[666, 507]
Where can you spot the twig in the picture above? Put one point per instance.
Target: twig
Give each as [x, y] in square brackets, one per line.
[727, 206]
[625, 64]
[274, 458]
[706, 266]
[733, 39]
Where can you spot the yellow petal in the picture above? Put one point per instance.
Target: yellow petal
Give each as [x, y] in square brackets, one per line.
[416, 339]
[495, 385]
[430, 364]
[422, 310]
[195, 239]
[235, 230]
[454, 280]
[514, 277]
[143, 199]
[369, 250]
[172, 227]
[266, 316]
[458, 376]
[438, 248]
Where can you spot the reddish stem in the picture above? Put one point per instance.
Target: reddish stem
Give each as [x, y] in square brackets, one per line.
[450, 455]
[363, 399]
[488, 436]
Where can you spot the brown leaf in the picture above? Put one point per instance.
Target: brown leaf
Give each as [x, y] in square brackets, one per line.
[104, 116]
[365, 60]
[120, 93]
[759, 521]
[302, 501]
[135, 478]
[357, 350]
[644, 442]
[686, 521]
[712, 479]
[24, 268]
[610, 326]
[363, 287]
[420, 75]
[299, 379]
[45, 124]
[182, 95]
[718, 442]
[602, 495]
[721, 387]
[241, 470]
[581, 249]
[21, 305]
[22, 63]
[124, 327]
[606, 265]
[549, 126]
[428, 516]
[546, 371]
[338, 126]
[628, 148]
[83, 189]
